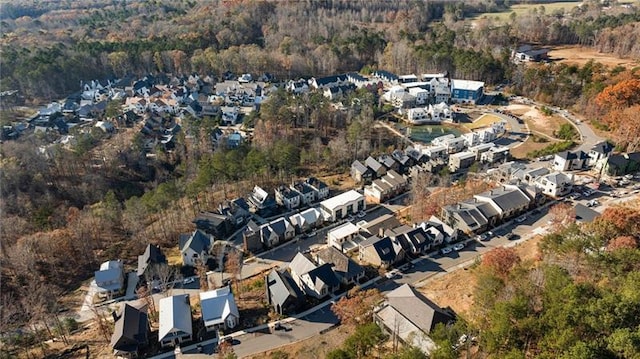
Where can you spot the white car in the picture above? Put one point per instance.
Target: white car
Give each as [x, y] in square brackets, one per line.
[188, 280]
[521, 219]
[445, 250]
[458, 247]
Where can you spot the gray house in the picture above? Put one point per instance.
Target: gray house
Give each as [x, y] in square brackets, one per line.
[361, 173]
[283, 292]
[130, 331]
[348, 271]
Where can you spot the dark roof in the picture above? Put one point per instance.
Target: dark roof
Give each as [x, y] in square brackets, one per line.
[152, 255]
[618, 161]
[356, 76]
[302, 187]
[383, 247]
[130, 330]
[314, 182]
[241, 202]
[330, 79]
[343, 266]
[585, 214]
[323, 274]
[507, 197]
[373, 164]
[385, 75]
[602, 147]
[358, 166]
[198, 241]
[282, 287]
[287, 192]
[279, 226]
[387, 161]
[417, 308]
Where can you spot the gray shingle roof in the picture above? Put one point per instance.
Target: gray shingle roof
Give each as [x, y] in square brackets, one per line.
[282, 288]
[131, 328]
[343, 266]
[323, 275]
[198, 241]
[417, 308]
[152, 255]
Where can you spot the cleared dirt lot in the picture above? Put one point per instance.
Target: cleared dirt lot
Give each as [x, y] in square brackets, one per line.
[581, 55]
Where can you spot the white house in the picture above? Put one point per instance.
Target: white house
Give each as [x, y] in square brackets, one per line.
[421, 95]
[339, 235]
[436, 152]
[441, 140]
[343, 205]
[195, 248]
[569, 161]
[315, 281]
[110, 278]
[478, 150]
[455, 144]
[307, 219]
[219, 310]
[175, 320]
[461, 160]
[487, 135]
[555, 184]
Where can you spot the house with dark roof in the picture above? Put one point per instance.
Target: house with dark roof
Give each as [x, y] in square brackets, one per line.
[316, 281]
[386, 76]
[329, 81]
[410, 316]
[130, 331]
[526, 53]
[219, 225]
[465, 216]
[570, 161]
[320, 188]
[378, 169]
[307, 193]
[287, 197]
[252, 239]
[261, 201]
[195, 248]
[361, 173]
[283, 293]
[152, 256]
[276, 231]
[508, 200]
[415, 241]
[389, 162]
[404, 161]
[378, 225]
[348, 271]
[622, 164]
[379, 252]
[599, 153]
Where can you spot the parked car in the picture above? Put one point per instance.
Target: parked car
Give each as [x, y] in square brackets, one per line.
[458, 247]
[188, 280]
[512, 236]
[445, 250]
[521, 219]
[361, 214]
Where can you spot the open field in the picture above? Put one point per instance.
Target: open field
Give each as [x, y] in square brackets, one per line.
[482, 121]
[581, 55]
[521, 9]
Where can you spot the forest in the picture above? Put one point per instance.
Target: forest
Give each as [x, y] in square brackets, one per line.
[64, 214]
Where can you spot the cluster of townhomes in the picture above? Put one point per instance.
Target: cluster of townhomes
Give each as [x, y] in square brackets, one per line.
[131, 333]
[385, 175]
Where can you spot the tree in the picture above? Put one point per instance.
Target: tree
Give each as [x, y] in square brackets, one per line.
[225, 351]
[622, 242]
[501, 260]
[357, 306]
[562, 215]
[338, 353]
[164, 275]
[365, 337]
[233, 266]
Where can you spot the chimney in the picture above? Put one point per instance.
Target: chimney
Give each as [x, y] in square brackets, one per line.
[381, 232]
[115, 316]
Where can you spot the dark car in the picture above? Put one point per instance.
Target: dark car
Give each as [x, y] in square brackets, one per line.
[512, 236]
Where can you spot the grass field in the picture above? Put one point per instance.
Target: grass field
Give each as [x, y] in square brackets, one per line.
[521, 9]
[482, 121]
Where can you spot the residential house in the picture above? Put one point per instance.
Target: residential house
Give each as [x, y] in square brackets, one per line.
[152, 256]
[361, 173]
[411, 317]
[378, 225]
[495, 154]
[261, 201]
[378, 169]
[388, 186]
[479, 149]
[440, 89]
[298, 87]
[283, 293]
[599, 153]
[230, 115]
[328, 81]
[234, 140]
[415, 241]
[130, 331]
[252, 239]
[466, 216]
[622, 164]
[508, 200]
[416, 154]
[466, 91]
[339, 236]
[357, 79]
[386, 76]
[421, 95]
[321, 190]
[343, 205]
[237, 211]
[454, 145]
[219, 225]
[307, 193]
[436, 152]
[404, 161]
[569, 161]
[195, 248]
[288, 198]
[379, 252]
[487, 135]
[306, 220]
[419, 115]
[555, 184]
[219, 310]
[347, 271]
[175, 320]
[389, 162]
[335, 92]
[461, 161]
[110, 278]
[316, 281]
[526, 53]
[276, 232]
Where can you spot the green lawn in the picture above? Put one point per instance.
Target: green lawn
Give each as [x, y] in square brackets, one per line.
[521, 9]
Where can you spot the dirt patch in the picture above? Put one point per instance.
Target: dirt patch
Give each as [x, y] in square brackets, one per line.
[456, 289]
[581, 55]
[315, 347]
[529, 145]
[484, 120]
